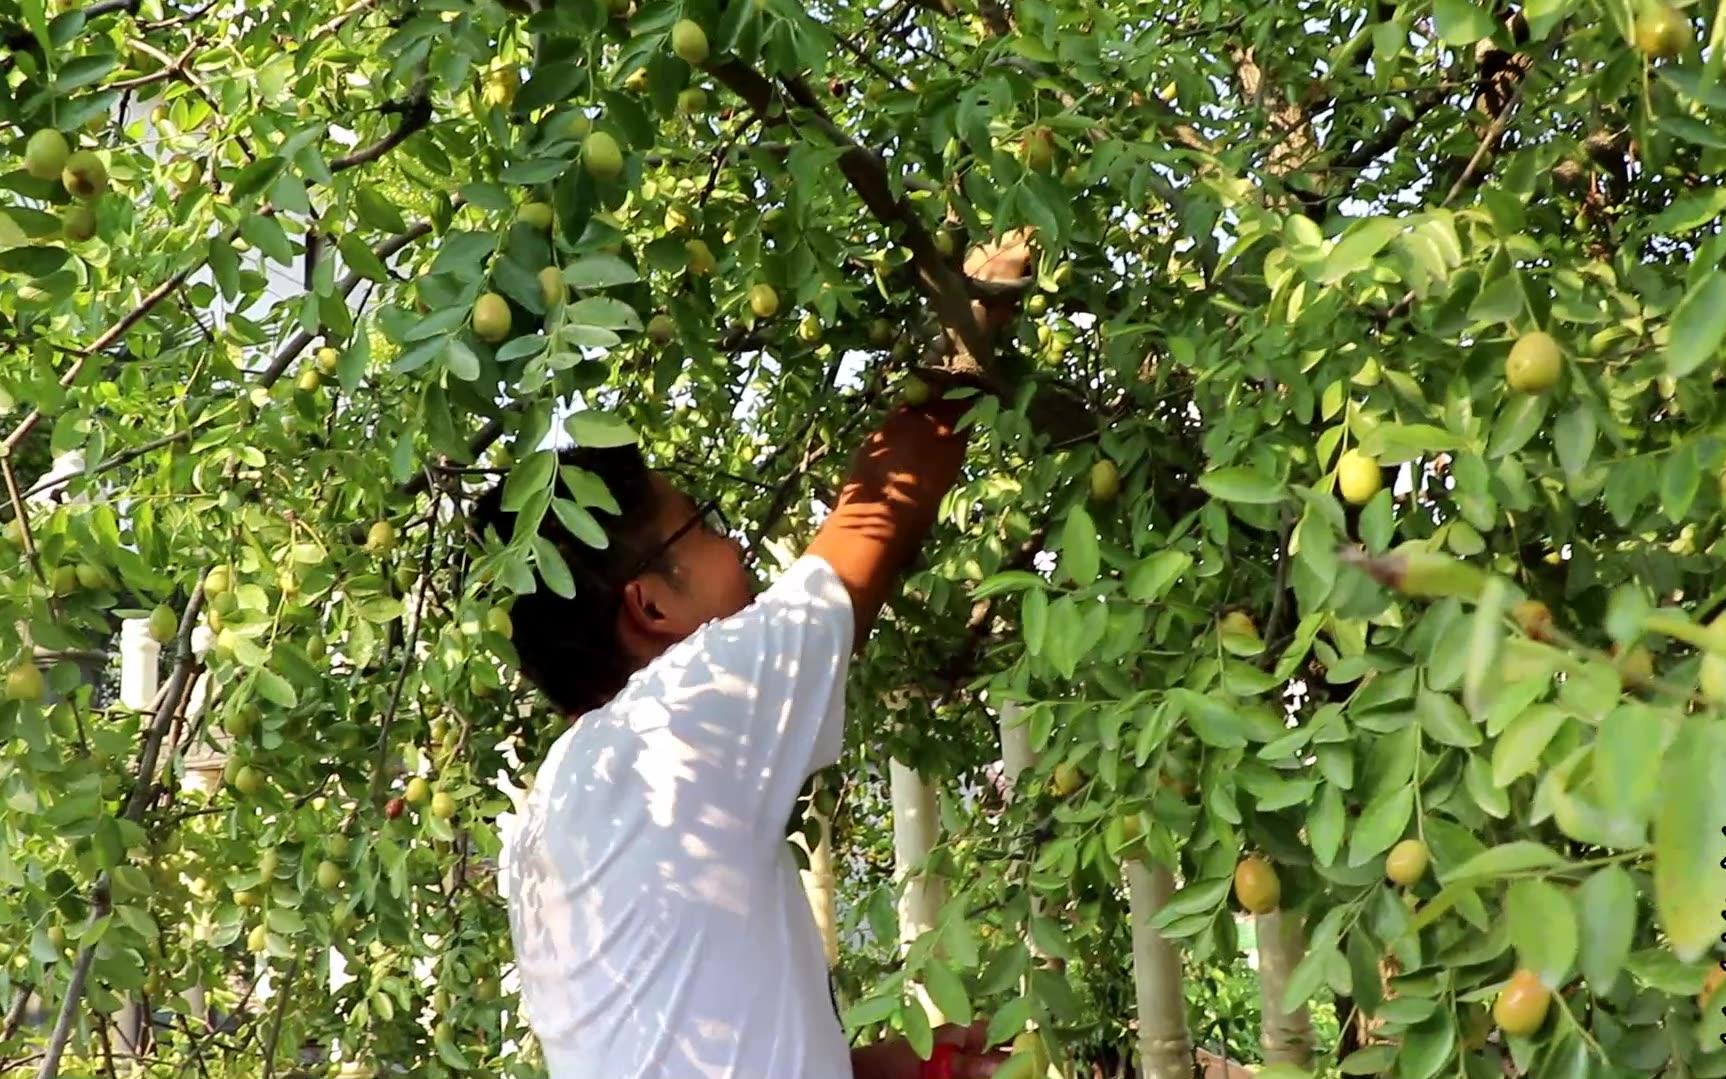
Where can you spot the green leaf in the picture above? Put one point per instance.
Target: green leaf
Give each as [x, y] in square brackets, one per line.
[580, 523]
[871, 1010]
[1357, 247]
[1008, 1020]
[1373, 1060]
[1518, 422]
[1607, 903]
[599, 271]
[530, 475]
[1147, 581]
[600, 429]
[1698, 326]
[553, 570]
[1047, 935]
[1381, 824]
[1690, 210]
[1325, 825]
[603, 312]
[947, 992]
[1543, 929]
[1427, 1046]
[1242, 485]
[1573, 438]
[914, 1023]
[372, 609]
[1461, 22]
[1688, 878]
[462, 363]
[534, 172]
[1017, 580]
[266, 234]
[273, 687]
[1444, 721]
[1692, 130]
[255, 178]
[1079, 553]
[81, 71]
[372, 208]
[1519, 748]
[360, 258]
[1515, 857]
[588, 490]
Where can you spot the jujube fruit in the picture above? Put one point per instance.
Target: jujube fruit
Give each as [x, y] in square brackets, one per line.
[601, 156]
[491, 318]
[1257, 888]
[1105, 481]
[85, 177]
[1407, 862]
[763, 301]
[1358, 477]
[1534, 363]
[1662, 32]
[689, 42]
[24, 682]
[45, 154]
[1522, 1004]
[535, 215]
[551, 286]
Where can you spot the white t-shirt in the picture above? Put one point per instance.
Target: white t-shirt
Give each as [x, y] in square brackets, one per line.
[661, 931]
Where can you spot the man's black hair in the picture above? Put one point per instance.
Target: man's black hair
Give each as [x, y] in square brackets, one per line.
[569, 647]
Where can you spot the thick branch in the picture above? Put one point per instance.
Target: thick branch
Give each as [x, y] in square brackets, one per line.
[416, 114]
[867, 174]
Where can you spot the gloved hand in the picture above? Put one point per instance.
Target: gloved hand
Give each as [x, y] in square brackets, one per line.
[1003, 263]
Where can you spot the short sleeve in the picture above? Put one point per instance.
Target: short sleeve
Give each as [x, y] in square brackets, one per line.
[743, 711]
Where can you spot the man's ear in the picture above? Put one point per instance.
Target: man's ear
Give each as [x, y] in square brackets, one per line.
[642, 609]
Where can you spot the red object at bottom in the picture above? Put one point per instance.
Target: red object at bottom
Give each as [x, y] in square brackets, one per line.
[939, 1065]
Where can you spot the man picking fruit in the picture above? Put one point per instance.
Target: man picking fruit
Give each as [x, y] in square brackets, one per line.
[659, 925]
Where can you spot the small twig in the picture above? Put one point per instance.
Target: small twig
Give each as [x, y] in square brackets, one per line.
[416, 114]
[378, 769]
[50, 1066]
[275, 1034]
[15, 1014]
[181, 20]
[22, 517]
[104, 1037]
[118, 459]
[105, 7]
[1279, 596]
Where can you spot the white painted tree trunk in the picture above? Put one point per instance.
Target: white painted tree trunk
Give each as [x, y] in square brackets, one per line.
[1165, 1047]
[140, 664]
[1286, 1037]
[915, 826]
[140, 676]
[1016, 755]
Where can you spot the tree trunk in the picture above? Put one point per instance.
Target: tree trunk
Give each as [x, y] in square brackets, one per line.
[1165, 1048]
[1016, 755]
[915, 826]
[1287, 1037]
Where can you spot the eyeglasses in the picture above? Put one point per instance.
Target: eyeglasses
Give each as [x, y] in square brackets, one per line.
[708, 515]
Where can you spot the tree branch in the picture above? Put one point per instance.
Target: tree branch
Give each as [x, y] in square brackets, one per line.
[867, 173]
[415, 116]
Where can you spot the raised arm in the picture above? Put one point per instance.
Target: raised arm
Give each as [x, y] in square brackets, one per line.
[888, 502]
